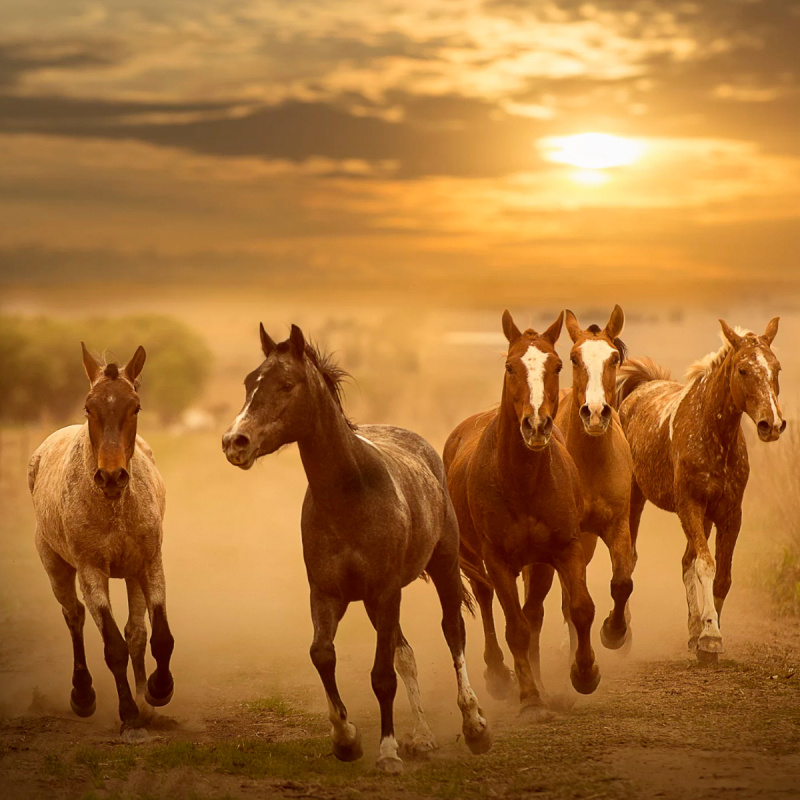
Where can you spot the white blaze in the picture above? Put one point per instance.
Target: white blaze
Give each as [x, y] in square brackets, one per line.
[246, 408]
[534, 361]
[595, 354]
[767, 379]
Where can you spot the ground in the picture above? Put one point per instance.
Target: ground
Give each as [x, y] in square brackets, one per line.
[668, 728]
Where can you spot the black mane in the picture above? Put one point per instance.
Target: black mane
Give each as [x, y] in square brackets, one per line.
[333, 375]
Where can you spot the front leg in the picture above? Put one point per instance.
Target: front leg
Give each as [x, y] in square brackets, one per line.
[518, 632]
[614, 631]
[728, 528]
[697, 528]
[160, 685]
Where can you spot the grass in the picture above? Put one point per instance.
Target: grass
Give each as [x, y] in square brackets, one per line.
[273, 705]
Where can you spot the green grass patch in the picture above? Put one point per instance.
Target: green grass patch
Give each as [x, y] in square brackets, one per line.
[273, 705]
[104, 764]
[55, 766]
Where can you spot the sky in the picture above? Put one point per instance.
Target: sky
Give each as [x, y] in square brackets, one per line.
[401, 147]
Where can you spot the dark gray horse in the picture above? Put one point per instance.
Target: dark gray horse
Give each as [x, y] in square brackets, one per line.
[375, 516]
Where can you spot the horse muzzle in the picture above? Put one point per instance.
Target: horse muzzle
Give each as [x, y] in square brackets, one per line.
[239, 450]
[536, 433]
[595, 423]
[769, 432]
[112, 483]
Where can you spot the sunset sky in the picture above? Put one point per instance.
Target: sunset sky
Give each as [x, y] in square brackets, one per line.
[403, 144]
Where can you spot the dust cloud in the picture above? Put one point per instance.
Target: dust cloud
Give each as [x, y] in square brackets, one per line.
[237, 594]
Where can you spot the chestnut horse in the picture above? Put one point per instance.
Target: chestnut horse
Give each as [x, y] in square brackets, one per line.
[594, 438]
[517, 496]
[376, 515]
[690, 457]
[99, 503]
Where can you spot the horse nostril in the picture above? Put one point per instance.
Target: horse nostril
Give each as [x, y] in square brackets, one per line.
[764, 426]
[100, 478]
[783, 426]
[584, 411]
[241, 441]
[606, 412]
[547, 428]
[121, 477]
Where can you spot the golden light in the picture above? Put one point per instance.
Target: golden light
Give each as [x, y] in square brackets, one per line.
[591, 151]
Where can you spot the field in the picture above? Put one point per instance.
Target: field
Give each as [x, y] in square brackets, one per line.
[249, 718]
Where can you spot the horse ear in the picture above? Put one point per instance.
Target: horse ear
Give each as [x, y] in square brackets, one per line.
[573, 328]
[267, 345]
[772, 329]
[297, 342]
[89, 364]
[554, 331]
[615, 323]
[133, 368]
[730, 334]
[510, 329]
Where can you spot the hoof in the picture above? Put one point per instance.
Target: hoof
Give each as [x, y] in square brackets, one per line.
[479, 743]
[706, 658]
[83, 706]
[710, 644]
[536, 713]
[133, 734]
[418, 746]
[499, 683]
[613, 638]
[349, 752]
[156, 695]
[585, 684]
[389, 765]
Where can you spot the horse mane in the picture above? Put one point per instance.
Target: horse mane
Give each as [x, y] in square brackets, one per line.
[706, 365]
[634, 372]
[618, 343]
[333, 375]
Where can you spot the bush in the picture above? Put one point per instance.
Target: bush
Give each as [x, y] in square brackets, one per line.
[41, 372]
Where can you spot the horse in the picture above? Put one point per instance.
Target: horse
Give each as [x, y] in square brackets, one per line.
[690, 457]
[376, 516]
[517, 496]
[595, 440]
[99, 502]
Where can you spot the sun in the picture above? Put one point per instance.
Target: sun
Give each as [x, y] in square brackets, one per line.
[591, 151]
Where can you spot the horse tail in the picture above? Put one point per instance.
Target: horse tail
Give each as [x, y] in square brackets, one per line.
[469, 599]
[634, 372]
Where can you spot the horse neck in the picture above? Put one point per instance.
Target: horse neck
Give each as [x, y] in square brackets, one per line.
[516, 461]
[719, 413]
[329, 449]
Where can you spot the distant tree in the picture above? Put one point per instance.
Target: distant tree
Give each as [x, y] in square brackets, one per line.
[41, 374]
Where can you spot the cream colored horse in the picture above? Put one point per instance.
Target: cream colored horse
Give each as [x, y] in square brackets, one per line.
[99, 503]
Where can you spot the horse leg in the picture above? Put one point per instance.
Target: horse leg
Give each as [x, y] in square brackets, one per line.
[518, 634]
[446, 576]
[727, 534]
[62, 580]
[571, 566]
[94, 586]
[538, 578]
[638, 501]
[699, 573]
[614, 631]
[385, 610]
[499, 678]
[136, 637]
[160, 685]
[326, 613]
[422, 738]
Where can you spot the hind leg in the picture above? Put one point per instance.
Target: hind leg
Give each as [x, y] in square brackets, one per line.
[446, 576]
[326, 613]
[422, 738]
[538, 578]
[638, 501]
[136, 637]
[62, 579]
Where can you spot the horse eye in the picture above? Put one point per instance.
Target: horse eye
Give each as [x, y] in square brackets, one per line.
[574, 360]
[287, 387]
[558, 369]
[87, 412]
[138, 409]
[509, 369]
[742, 371]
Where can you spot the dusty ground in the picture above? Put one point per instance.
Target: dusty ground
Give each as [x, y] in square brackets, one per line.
[667, 729]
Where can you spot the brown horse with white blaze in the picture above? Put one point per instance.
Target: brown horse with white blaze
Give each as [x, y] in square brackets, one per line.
[690, 457]
[99, 503]
[517, 496]
[595, 440]
[375, 516]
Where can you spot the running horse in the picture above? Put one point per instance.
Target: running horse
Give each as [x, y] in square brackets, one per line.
[99, 502]
[376, 515]
[517, 496]
[690, 457]
[595, 440]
